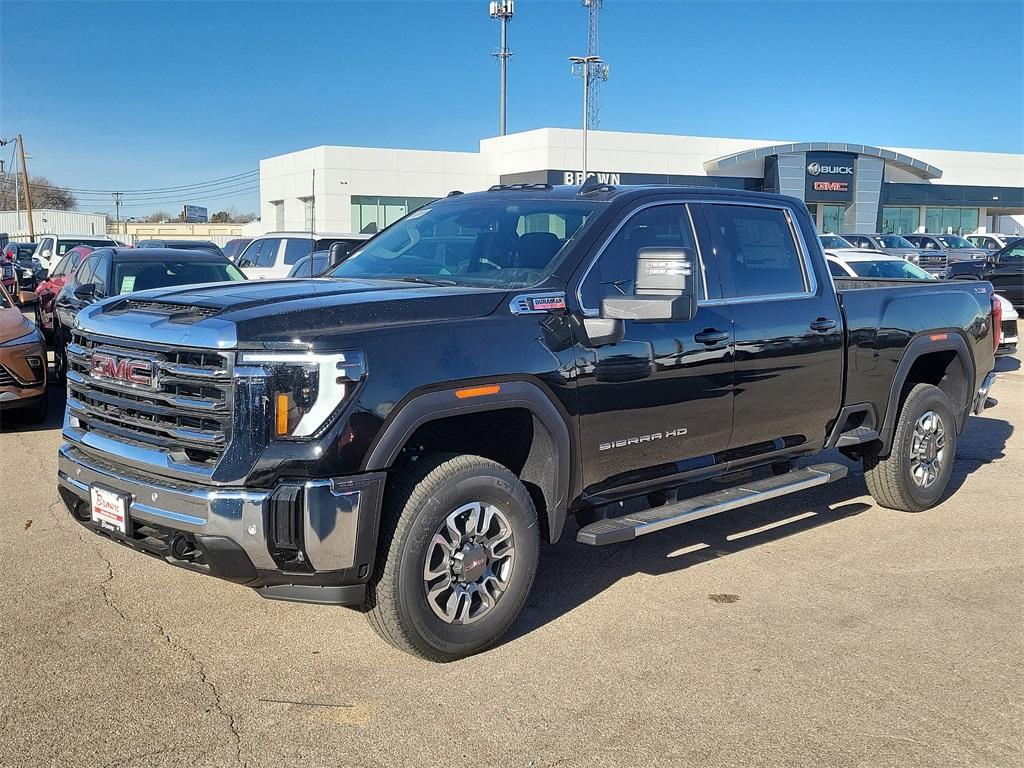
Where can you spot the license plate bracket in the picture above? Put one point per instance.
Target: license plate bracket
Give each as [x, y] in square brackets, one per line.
[109, 510]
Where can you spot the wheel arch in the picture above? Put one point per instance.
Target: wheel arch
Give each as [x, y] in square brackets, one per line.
[545, 465]
[945, 362]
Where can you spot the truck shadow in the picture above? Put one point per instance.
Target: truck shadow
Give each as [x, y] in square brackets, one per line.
[571, 574]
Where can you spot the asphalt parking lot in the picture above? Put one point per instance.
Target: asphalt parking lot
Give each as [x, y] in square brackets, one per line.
[813, 630]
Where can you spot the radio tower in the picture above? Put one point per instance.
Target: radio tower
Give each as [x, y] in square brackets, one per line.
[598, 69]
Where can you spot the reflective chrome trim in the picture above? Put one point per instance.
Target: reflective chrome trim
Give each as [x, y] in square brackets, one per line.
[809, 276]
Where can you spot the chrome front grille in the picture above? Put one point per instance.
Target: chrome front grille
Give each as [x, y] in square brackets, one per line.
[6, 379]
[185, 412]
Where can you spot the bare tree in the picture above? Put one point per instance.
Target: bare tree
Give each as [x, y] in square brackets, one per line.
[158, 216]
[43, 192]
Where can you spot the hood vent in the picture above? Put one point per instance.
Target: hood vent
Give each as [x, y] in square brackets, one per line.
[176, 312]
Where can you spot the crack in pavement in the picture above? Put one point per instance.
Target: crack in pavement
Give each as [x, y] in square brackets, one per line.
[228, 717]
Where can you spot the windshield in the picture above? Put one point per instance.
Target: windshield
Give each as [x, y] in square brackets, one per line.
[895, 241]
[66, 244]
[834, 241]
[490, 242]
[954, 242]
[895, 269]
[142, 275]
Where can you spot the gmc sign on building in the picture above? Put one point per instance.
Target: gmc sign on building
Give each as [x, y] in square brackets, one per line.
[829, 177]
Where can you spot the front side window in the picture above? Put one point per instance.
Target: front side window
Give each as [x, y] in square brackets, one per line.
[614, 272]
[757, 253]
[84, 275]
[502, 243]
[62, 267]
[1014, 255]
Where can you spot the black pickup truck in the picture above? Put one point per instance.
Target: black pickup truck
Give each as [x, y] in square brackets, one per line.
[1004, 269]
[399, 437]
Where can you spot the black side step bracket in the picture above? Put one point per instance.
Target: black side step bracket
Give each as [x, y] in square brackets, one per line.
[628, 527]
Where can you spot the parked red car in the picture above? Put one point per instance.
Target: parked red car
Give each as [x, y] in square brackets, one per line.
[49, 288]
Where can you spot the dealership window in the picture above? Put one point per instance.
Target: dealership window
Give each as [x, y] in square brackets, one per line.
[832, 218]
[371, 213]
[900, 220]
[278, 206]
[307, 213]
[957, 221]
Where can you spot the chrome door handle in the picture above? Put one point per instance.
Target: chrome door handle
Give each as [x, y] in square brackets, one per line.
[711, 336]
[823, 324]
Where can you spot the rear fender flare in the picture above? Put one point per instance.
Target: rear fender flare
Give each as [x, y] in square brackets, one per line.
[918, 346]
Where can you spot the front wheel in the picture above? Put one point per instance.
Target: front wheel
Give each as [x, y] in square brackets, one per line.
[60, 354]
[457, 557]
[915, 474]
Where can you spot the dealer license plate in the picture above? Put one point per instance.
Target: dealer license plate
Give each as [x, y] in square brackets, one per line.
[110, 510]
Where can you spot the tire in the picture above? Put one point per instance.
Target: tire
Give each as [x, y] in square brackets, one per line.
[418, 505]
[909, 479]
[60, 356]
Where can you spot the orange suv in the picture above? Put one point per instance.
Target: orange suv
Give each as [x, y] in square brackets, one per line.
[22, 362]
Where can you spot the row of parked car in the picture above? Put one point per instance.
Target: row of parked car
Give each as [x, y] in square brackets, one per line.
[886, 258]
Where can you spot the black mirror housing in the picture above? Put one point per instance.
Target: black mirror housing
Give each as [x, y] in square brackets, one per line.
[85, 291]
[665, 288]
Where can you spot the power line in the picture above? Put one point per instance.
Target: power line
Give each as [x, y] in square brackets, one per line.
[209, 182]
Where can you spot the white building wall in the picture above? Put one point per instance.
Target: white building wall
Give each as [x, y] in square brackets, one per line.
[46, 221]
[342, 172]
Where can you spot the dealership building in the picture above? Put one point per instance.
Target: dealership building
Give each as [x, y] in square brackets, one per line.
[847, 187]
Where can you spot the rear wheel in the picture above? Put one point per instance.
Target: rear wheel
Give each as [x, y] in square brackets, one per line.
[915, 474]
[457, 557]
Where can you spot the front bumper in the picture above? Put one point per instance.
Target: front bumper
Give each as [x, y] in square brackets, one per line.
[307, 541]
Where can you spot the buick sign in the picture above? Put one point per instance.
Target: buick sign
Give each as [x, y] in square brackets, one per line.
[829, 177]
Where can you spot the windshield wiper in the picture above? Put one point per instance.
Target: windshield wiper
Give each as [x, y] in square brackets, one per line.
[422, 280]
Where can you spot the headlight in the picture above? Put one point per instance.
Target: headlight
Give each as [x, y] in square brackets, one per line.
[306, 387]
[32, 337]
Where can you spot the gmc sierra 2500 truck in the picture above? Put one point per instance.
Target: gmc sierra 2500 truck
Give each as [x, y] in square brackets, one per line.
[400, 436]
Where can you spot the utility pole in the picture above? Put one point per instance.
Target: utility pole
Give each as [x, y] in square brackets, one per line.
[28, 195]
[585, 63]
[503, 11]
[118, 196]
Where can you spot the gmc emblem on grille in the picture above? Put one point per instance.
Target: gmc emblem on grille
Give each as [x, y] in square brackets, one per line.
[139, 372]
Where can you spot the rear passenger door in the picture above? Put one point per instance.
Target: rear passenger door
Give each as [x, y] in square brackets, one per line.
[787, 326]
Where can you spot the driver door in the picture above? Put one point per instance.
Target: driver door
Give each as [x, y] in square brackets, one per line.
[658, 403]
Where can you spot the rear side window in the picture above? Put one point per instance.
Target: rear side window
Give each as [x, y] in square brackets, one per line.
[295, 249]
[757, 253]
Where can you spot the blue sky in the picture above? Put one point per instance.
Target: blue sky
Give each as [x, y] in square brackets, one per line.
[140, 95]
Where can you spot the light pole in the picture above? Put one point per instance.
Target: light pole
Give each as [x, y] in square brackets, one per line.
[585, 63]
[503, 11]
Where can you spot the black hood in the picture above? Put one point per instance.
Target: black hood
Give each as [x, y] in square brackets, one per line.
[241, 313]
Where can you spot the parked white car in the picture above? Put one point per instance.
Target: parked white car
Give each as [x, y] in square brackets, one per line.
[875, 265]
[275, 253]
[51, 248]
[993, 241]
